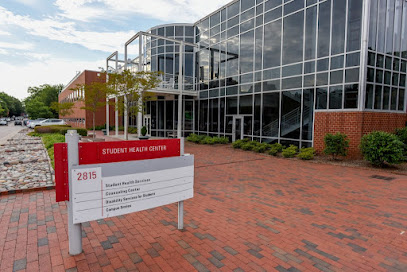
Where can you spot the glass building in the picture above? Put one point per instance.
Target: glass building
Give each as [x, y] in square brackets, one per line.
[264, 69]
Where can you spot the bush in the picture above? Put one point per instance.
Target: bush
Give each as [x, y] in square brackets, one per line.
[261, 147]
[132, 130]
[238, 144]
[306, 153]
[249, 145]
[381, 147]
[290, 151]
[59, 129]
[336, 145]
[401, 133]
[203, 139]
[277, 146]
[273, 151]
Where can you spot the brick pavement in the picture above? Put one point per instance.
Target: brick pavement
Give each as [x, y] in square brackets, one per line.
[251, 212]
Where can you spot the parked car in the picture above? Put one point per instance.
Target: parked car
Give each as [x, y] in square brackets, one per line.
[32, 123]
[18, 122]
[51, 122]
[3, 122]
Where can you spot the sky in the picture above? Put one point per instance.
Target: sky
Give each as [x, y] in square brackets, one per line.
[49, 41]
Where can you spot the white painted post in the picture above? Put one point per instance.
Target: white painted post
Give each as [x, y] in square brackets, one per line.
[181, 203]
[116, 116]
[180, 87]
[140, 99]
[107, 117]
[126, 118]
[74, 230]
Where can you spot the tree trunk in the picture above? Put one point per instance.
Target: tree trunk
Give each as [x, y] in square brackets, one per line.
[94, 136]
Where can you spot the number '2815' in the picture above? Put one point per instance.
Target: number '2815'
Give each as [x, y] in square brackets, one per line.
[87, 175]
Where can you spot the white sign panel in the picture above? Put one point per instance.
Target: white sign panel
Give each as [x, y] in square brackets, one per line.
[95, 197]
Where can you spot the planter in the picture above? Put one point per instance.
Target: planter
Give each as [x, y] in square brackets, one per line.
[143, 137]
[104, 131]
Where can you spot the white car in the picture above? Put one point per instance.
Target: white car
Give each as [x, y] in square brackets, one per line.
[33, 123]
[3, 122]
[51, 122]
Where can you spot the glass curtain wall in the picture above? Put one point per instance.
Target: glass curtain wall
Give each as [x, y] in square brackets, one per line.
[387, 56]
[269, 62]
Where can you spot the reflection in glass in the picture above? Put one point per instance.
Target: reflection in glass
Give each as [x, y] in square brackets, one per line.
[401, 99]
[246, 52]
[335, 97]
[257, 113]
[307, 114]
[354, 24]
[291, 114]
[293, 38]
[338, 27]
[324, 28]
[310, 33]
[381, 26]
[271, 106]
[272, 44]
[373, 25]
[351, 96]
[386, 98]
[321, 102]
[378, 97]
[369, 96]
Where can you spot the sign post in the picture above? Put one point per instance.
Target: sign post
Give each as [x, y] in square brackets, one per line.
[74, 230]
[105, 179]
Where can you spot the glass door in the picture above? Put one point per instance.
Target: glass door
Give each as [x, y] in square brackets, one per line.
[237, 128]
[147, 123]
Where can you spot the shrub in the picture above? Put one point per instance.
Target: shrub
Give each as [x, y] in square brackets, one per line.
[306, 153]
[261, 147]
[401, 133]
[143, 131]
[290, 151]
[238, 144]
[381, 147]
[207, 140]
[133, 130]
[249, 145]
[336, 145]
[221, 140]
[277, 146]
[59, 129]
[273, 151]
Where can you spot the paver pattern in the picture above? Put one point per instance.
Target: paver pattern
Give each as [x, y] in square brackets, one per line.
[251, 212]
[24, 163]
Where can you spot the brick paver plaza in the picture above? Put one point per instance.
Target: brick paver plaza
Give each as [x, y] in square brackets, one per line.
[250, 212]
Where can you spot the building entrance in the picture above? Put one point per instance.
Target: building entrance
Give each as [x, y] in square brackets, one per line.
[237, 128]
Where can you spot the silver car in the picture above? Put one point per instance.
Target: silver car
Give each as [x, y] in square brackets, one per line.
[3, 122]
[51, 122]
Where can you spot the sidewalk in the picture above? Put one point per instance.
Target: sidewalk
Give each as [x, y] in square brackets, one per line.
[250, 212]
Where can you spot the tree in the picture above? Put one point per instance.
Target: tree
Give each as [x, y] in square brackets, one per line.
[11, 105]
[95, 98]
[42, 96]
[133, 89]
[63, 108]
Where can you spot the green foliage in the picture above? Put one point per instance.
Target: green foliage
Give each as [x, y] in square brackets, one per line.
[131, 87]
[203, 139]
[275, 149]
[132, 130]
[336, 145]
[63, 108]
[250, 145]
[306, 153]
[401, 133]
[49, 140]
[261, 147]
[62, 130]
[10, 106]
[143, 131]
[290, 151]
[239, 143]
[381, 147]
[38, 103]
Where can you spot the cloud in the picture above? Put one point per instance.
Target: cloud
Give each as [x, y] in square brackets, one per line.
[51, 71]
[66, 32]
[17, 46]
[28, 2]
[4, 33]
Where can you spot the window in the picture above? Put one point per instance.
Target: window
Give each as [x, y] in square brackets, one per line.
[293, 38]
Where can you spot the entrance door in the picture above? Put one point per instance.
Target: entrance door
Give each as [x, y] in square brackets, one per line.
[147, 123]
[237, 129]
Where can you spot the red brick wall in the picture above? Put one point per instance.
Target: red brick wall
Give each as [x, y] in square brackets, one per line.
[355, 125]
[86, 77]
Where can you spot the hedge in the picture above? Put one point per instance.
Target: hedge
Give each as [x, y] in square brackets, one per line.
[59, 129]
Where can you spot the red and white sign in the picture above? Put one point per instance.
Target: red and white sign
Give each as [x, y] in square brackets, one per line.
[105, 152]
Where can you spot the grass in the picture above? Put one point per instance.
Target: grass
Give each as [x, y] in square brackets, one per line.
[49, 140]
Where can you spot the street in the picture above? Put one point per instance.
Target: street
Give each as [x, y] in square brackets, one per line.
[6, 132]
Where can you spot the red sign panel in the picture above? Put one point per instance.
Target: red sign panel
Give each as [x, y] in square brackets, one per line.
[105, 152]
[61, 171]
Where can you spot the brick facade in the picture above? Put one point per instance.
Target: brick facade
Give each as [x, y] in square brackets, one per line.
[86, 77]
[355, 125]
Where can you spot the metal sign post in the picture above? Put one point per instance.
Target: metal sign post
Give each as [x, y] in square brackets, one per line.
[181, 203]
[74, 230]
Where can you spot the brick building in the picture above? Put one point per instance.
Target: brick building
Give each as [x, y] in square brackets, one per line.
[83, 118]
